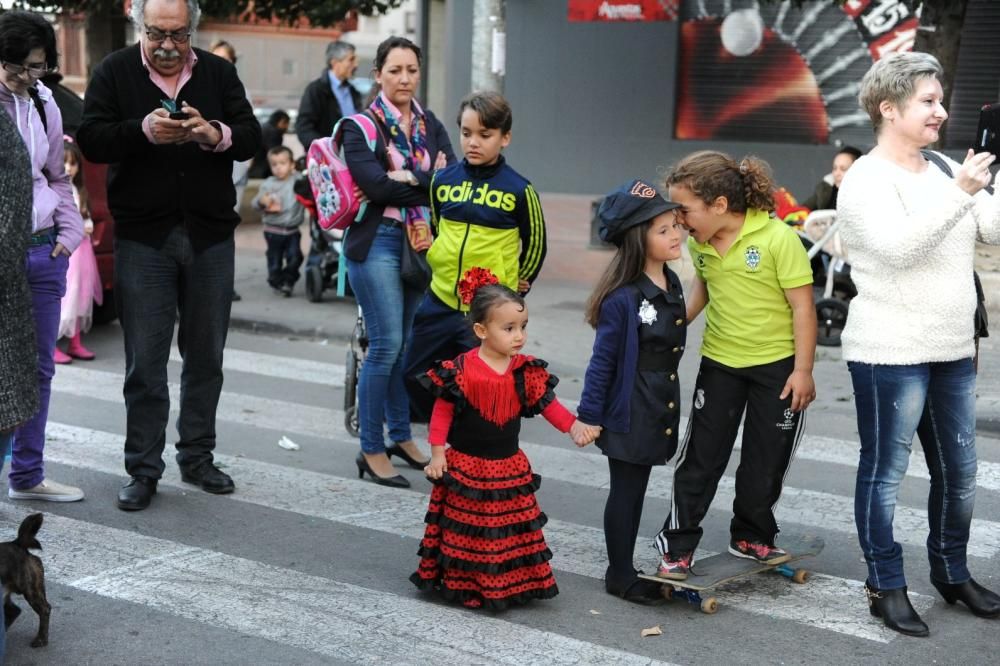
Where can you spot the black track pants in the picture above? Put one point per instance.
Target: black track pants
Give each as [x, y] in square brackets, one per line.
[771, 432]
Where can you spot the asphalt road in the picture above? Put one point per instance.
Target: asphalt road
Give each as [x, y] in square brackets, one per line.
[305, 564]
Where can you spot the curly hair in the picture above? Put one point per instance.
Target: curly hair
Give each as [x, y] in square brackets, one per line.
[710, 174]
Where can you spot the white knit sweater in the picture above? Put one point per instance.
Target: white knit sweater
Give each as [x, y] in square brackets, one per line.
[910, 240]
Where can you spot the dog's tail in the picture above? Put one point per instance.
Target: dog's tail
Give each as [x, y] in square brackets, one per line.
[28, 531]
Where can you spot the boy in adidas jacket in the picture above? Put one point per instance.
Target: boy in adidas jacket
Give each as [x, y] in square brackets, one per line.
[485, 215]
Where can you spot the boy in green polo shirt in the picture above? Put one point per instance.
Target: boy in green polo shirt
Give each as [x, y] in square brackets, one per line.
[755, 283]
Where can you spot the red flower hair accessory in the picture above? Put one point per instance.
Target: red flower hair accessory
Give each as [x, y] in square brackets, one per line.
[473, 279]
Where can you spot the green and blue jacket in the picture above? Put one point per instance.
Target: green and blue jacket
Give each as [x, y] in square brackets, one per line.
[485, 216]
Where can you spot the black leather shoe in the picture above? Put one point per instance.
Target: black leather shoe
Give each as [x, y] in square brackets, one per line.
[896, 611]
[398, 481]
[640, 591]
[209, 477]
[136, 493]
[981, 602]
[400, 452]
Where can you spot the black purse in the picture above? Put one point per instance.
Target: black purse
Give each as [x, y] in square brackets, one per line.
[413, 267]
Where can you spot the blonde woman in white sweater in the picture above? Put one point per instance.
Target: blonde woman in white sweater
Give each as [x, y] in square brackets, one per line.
[911, 231]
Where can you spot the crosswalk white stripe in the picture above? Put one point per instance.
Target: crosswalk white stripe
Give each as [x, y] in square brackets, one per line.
[268, 601]
[279, 367]
[800, 506]
[836, 604]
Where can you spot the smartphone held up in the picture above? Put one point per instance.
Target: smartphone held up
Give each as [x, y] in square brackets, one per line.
[988, 132]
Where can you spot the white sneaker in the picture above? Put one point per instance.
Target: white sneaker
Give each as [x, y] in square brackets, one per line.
[49, 491]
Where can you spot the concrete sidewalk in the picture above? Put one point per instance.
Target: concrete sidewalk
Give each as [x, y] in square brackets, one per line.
[570, 271]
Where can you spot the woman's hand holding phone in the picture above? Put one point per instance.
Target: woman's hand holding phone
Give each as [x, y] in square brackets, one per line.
[974, 174]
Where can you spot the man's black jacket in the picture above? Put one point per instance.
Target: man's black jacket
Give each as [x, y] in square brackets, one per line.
[153, 188]
[319, 110]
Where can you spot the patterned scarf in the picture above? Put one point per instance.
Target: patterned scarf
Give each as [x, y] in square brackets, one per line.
[407, 153]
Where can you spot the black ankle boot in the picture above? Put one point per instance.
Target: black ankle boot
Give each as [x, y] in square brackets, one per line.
[894, 607]
[981, 602]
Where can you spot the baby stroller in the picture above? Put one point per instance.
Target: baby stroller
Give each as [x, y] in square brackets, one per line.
[322, 269]
[832, 274]
[352, 372]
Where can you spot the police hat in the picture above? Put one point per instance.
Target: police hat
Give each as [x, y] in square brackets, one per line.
[634, 203]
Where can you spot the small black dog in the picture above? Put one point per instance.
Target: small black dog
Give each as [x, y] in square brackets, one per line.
[22, 573]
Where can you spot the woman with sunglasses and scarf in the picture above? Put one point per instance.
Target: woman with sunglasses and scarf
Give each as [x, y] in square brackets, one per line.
[28, 52]
[395, 177]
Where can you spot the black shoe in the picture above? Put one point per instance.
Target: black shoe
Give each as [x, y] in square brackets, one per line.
[398, 451]
[896, 611]
[398, 481]
[236, 297]
[639, 591]
[209, 477]
[136, 493]
[981, 602]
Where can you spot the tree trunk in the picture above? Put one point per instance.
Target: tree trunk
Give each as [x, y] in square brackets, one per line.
[105, 33]
[940, 34]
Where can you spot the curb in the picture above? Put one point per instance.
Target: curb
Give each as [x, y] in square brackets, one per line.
[273, 328]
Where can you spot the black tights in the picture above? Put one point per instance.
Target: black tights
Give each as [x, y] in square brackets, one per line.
[622, 514]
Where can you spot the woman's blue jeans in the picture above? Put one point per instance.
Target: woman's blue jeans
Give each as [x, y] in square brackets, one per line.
[388, 307]
[892, 402]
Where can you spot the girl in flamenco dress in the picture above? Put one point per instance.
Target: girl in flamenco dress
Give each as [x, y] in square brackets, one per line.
[483, 544]
[83, 282]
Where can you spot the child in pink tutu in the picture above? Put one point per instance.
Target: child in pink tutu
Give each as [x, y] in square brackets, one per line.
[83, 283]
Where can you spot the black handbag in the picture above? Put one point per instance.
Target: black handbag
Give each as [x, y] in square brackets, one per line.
[982, 320]
[413, 267]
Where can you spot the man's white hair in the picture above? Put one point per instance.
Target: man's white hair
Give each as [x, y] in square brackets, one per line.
[138, 14]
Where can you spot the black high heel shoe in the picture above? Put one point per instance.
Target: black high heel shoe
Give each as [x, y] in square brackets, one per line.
[982, 602]
[398, 451]
[896, 611]
[397, 481]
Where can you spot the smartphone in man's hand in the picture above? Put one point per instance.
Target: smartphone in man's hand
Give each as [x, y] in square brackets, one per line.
[179, 115]
[988, 132]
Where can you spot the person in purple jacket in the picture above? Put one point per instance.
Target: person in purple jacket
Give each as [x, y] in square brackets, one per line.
[28, 52]
[631, 394]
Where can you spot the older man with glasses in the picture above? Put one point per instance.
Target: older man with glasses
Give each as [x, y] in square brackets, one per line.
[170, 119]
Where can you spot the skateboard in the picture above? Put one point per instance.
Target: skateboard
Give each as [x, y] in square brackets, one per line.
[717, 570]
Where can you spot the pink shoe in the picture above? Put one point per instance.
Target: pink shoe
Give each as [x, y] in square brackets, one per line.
[76, 349]
[59, 357]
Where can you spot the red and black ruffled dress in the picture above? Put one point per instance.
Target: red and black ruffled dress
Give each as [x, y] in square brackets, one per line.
[483, 545]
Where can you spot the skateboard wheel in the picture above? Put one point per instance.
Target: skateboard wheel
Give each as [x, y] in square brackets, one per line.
[800, 576]
[667, 591]
[709, 606]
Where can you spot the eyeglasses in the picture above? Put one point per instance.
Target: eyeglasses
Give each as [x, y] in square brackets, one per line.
[177, 36]
[37, 71]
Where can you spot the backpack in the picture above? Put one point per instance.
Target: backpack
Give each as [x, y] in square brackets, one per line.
[331, 181]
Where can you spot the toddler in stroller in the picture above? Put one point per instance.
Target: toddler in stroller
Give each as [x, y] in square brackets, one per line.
[322, 269]
[831, 274]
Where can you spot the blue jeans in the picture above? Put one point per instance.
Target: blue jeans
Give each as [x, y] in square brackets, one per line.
[284, 258]
[388, 307]
[154, 289]
[892, 401]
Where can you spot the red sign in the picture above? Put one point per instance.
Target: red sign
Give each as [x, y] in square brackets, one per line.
[623, 10]
[886, 26]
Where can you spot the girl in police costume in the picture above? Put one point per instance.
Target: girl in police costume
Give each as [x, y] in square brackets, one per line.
[754, 282]
[631, 389]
